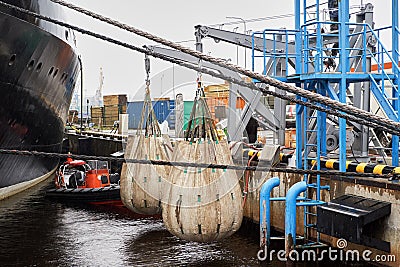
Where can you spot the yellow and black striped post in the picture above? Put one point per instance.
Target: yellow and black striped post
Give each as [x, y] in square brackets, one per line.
[284, 158]
[360, 167]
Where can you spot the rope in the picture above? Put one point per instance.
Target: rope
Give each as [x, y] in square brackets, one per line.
[372, 121]
[268, 80]
[369, 120]
[194, 165]
[148, 119]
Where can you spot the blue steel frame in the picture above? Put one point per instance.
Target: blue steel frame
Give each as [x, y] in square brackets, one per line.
[320, 81]
[395, 68]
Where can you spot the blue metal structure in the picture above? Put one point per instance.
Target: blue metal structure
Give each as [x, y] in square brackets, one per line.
[333, 61]
[290, 214]
[265, 210]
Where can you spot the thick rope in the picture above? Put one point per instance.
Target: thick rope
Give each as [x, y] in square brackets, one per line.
[371, 122]
[194, 165]
[268, 80]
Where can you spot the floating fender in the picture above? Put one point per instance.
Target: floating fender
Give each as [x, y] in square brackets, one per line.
[202, 204]
[143, 185]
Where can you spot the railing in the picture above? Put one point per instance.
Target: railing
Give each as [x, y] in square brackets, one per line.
[282, 42]
[278, 44]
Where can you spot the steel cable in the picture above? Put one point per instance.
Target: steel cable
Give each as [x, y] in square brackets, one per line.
[193, 165]
[268, 80]
[371, 123]
[365, 121]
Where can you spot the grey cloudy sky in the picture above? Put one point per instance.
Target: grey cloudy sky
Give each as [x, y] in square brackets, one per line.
[174, 20]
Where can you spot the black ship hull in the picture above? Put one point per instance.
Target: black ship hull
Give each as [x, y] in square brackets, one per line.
[38, 70]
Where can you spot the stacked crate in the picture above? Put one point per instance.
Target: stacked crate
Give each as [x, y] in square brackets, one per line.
[97, 114]
[113, 106]
[217, 97]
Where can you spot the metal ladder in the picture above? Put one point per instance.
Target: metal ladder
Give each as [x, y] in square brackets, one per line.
[314, 123]
[385, 86]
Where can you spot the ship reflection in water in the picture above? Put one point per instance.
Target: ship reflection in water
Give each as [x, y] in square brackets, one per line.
[38, 232]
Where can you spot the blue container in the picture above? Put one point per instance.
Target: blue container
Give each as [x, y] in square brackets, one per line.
[161, 109]
[164, 110]
[135, 112]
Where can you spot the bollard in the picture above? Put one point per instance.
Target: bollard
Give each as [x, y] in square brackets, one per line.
[290, 215]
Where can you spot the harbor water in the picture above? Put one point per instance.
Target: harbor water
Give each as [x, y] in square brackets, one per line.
[38, 232]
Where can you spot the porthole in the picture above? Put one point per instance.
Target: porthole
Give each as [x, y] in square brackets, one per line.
[55, 73]
[12, 59]
[39, 67]
[51, 70]
[31, 64]
[65, 78]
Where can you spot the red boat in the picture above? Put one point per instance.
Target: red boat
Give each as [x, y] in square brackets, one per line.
[86, 182]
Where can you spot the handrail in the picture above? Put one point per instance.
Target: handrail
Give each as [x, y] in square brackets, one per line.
[379, 57]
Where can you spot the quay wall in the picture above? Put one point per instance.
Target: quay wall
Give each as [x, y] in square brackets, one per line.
[387, 229]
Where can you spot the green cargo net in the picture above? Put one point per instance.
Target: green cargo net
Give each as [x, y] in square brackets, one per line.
[200, 125]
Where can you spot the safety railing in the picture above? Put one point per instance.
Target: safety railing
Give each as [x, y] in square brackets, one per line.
[277, 52]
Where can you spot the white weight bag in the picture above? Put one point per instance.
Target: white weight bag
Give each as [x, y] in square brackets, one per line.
[202, 204]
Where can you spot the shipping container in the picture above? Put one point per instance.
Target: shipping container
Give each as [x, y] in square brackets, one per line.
[164, 110]
[134, 111]
[187, 109]
[161, 109]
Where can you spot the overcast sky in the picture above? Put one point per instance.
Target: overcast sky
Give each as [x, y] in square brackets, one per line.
[174, 20]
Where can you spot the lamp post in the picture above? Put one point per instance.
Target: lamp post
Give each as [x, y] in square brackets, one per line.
[80, 63]
[237, 49]
[244, 31]
[87, 112]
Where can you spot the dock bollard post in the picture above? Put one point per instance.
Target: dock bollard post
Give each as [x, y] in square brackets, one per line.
[290, 215]
[265, 212]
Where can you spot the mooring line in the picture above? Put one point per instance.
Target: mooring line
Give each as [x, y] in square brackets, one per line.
[268, 80]
[356, 118]
[371, 122]
[193, 164]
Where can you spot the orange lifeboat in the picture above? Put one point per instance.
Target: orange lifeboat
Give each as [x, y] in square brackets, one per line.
[85, 181]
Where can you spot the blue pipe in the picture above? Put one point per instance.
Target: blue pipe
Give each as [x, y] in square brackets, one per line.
[290, 215]
[265, 210]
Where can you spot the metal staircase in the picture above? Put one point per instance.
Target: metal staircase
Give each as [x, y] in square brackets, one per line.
[334, 63]
[385, 85]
